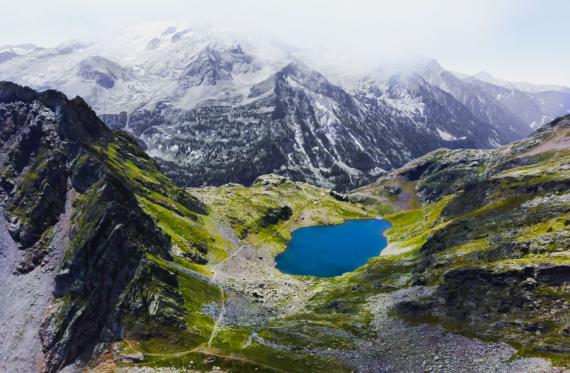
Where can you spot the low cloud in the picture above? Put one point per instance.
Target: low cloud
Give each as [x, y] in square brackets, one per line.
[509, 38]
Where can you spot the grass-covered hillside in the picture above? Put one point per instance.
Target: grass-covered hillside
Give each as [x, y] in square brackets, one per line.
[274, 206]
[478, 244]
[242, 291]
[82, 205]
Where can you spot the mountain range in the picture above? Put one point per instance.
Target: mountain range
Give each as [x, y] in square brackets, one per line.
[214, 107]
[107, 266]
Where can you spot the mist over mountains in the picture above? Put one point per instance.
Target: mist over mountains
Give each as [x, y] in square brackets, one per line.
[213, 107]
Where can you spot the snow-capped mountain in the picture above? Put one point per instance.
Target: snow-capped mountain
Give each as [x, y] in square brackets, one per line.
[215, 107]
[8, 52]
[519, 86]
[534, 106]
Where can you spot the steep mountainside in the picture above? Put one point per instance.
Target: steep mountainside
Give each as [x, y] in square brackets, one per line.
[534, 108]
[106, 263]
[479, 100]
[300, 125]
[215, 107]
[496, 243]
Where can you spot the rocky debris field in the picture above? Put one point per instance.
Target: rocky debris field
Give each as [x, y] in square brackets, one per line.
[24, 301]
[401, 347]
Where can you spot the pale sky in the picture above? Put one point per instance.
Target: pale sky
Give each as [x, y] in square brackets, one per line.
[517, 40]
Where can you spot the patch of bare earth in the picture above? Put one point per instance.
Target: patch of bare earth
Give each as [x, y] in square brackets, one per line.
[559, 142]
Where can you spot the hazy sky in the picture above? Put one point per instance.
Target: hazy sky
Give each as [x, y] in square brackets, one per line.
[521, 40]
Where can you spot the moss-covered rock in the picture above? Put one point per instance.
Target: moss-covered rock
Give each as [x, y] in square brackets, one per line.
[273, 215]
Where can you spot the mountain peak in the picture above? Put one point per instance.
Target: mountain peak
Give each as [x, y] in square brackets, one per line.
[164, 81]
[483, 75]
[214, 64]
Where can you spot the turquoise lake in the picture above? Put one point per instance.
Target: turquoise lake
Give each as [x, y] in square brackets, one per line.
[328, 251]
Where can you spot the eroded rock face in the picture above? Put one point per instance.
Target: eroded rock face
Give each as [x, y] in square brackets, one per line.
[34, 175]
[106, 286]
[106, 254]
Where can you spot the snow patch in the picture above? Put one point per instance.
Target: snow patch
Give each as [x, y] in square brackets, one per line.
[447, 136]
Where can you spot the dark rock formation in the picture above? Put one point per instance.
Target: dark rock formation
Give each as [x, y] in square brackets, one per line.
[521, 305]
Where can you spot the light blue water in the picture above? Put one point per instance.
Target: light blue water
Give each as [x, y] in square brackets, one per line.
[328, 251]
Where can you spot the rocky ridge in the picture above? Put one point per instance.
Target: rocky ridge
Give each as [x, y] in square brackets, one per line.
[51, 150]
[497, 248]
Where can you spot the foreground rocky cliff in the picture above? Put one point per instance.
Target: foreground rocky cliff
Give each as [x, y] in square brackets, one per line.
[70, 193]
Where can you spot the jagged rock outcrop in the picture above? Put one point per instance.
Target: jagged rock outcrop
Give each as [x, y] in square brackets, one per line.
[523, 305]
[213, 65]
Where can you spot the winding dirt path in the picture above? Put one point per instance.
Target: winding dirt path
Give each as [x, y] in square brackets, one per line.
[208, 351]
[219, 319]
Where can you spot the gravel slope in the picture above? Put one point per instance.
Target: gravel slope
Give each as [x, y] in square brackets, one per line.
[24, 299]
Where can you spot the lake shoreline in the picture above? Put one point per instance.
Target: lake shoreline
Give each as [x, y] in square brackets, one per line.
[332, 250]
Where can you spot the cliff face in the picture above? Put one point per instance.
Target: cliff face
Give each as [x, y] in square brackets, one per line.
[55, 150]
